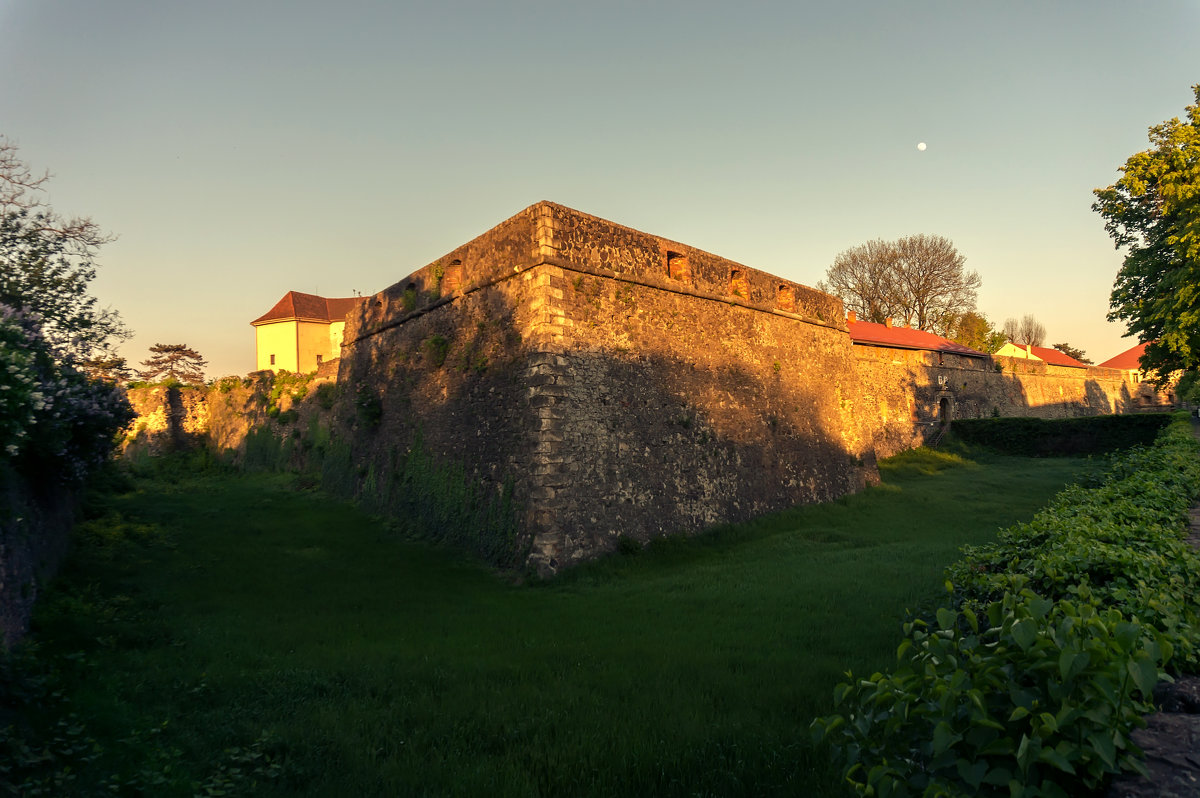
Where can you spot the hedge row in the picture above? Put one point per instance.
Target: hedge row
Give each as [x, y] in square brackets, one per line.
[1031, 680]
[1040, 437]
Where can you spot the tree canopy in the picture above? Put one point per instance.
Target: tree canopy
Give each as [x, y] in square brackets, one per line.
[1071, 351]
[974, 330]
[56, 420]
[47, 263]
[176, 362]
[919, 280]
[1153, 211]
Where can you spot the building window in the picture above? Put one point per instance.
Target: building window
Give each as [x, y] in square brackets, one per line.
[785, 299]
[272, 360]
[319, 359]
[677, 267]
[739, 286]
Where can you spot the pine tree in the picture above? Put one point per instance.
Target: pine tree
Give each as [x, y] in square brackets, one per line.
[174, 362]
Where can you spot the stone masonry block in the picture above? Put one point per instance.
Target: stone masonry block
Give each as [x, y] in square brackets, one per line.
[558, 391]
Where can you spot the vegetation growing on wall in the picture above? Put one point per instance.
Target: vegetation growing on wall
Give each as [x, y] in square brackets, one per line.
[1032, 678]
[427, 497]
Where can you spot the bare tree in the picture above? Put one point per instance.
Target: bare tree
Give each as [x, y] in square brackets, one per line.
[919, 280]
[1026, 331]
[21, 191]
[173, 362]
[865, 279]
[935, 288]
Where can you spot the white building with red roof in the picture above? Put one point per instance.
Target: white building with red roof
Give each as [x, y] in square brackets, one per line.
[1147, 393]
[1128, 361]
[1051, 356]
[301, 332]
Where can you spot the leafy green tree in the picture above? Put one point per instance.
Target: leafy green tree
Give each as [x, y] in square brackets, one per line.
[1071, 351]
[47, 263]
[58, 420]
[1153, 211]
[974, 330]
[176, 362]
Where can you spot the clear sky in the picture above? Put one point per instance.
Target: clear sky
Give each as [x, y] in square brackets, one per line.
[244, 148]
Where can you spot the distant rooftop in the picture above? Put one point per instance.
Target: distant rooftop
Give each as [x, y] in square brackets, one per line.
[867, 332]
[309, 307]
[1127, 359]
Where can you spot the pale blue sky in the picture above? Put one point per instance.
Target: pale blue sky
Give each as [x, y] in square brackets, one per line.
[244, 149]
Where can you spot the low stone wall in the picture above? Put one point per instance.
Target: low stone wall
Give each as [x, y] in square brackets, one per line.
[35, 524]
[909, 394]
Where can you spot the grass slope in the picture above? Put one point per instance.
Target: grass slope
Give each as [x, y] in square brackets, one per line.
[225, 632]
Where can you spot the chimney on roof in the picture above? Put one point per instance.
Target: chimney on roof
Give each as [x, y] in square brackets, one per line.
[887, 322]
[1029, 350]
[851, 317]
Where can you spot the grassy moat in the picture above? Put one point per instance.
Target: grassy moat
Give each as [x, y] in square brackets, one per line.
[217, 632]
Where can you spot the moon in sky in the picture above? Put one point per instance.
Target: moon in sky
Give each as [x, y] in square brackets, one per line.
[921, 146]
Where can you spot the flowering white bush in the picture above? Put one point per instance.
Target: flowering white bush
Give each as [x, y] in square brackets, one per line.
[52, 416]
[20, 399]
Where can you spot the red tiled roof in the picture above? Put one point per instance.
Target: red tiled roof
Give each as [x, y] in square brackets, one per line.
[1056, 358]
[1126, 360]
[309, 307]
[867, 332]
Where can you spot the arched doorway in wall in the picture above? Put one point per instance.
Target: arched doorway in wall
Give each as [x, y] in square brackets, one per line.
[945, 411]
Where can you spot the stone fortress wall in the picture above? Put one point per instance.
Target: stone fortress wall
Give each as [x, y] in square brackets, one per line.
[908, 394]
[626, 384]
[631, 385]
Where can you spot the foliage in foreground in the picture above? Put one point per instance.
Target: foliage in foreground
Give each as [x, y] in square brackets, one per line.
[55, 422]
[1032, 681]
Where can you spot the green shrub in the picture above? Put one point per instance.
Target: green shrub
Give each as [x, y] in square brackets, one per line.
[227, 384]
[1036, 698]
[369, 408]
[326, 395]
[409, 299]
[1035, 676]
[436, 347]
[1040, 437]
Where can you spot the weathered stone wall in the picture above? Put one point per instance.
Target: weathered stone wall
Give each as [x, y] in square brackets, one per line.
[626, 384]
[453, 374]
[665, 411]
[909, 394]
[219, 416]
[167, 418]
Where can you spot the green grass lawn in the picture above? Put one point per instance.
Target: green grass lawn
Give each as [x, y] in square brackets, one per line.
[227, 630]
